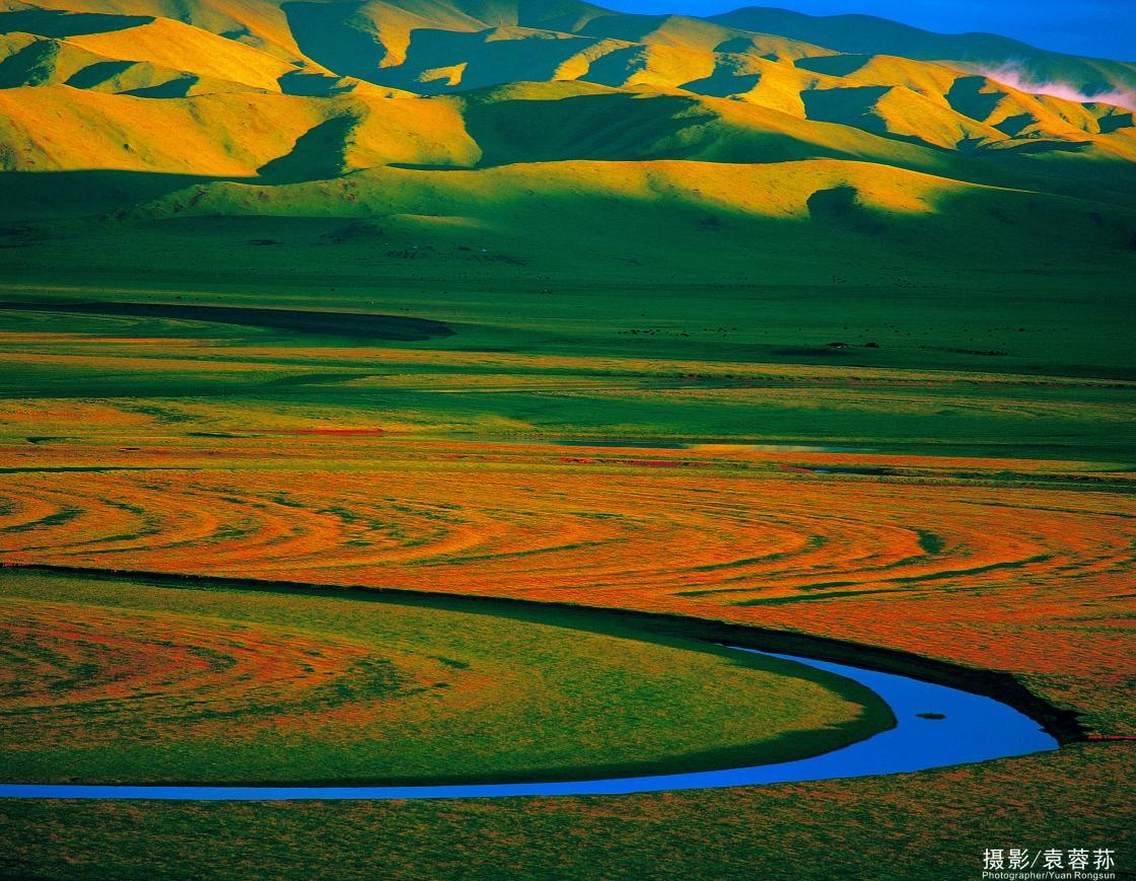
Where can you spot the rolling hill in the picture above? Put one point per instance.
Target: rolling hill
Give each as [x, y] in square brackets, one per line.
[512, 116]
[785, 73]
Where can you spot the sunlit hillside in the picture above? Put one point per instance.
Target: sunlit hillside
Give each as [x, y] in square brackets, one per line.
[775, 145]
[321, 88]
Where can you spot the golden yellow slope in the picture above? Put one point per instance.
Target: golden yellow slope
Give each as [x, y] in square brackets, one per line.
[256, 22]
[943, 108]
[776, 190]
[774, 84]
[172, 44]
[653, 66]
[57, 127]
[414, 131]
[39, 61]
[697, 35]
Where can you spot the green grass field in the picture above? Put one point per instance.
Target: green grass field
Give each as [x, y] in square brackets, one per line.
[276, 688]
[1018, 376]
[931, 825]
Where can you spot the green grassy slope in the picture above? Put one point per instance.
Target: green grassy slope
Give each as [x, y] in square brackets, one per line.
[739, 262]
[489, 698]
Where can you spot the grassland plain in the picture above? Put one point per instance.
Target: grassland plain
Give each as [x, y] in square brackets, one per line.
[761, 318]
[978, 513]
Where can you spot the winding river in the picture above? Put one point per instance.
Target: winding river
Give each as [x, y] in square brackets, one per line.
[936, 726]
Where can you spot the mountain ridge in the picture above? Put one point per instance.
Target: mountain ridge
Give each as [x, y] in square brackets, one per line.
[261, 96]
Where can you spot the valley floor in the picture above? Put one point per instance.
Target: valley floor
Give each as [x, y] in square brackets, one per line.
[962, 490]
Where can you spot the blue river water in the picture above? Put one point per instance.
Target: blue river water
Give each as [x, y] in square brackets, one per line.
[973, 728]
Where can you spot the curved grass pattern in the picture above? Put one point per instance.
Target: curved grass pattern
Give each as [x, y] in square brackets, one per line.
[566, 528]
[111, 675]
[675, 530]
[975, 729]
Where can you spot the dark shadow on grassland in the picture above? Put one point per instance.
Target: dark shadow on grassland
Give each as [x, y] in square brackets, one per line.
[31, 66]
[1115, 121]
[57, 23]
[99, 72]
[615, 68]
[845, 106]
[313, 85]
[722, 83]
[1050, 145]
[318, 154]
[339, 36]
[344, 324]
[31, 195]
[1012, 126]
[856, 107]
[838, 205]
[833, 65]
[974, 96]
[178, 87]
[440, 61]
[612, 126]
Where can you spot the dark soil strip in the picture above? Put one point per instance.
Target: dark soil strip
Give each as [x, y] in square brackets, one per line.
[355, 325]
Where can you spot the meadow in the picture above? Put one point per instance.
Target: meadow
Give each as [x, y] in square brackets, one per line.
[926, 495]
[935, 825]
[357, 432]
[977, 513]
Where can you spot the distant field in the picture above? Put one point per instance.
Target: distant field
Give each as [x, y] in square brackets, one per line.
[1032, 287]
[583, 365]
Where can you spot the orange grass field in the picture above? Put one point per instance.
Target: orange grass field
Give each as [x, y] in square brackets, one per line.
[1014, 566]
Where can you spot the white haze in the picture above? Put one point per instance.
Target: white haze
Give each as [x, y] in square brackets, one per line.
[1017, 79]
